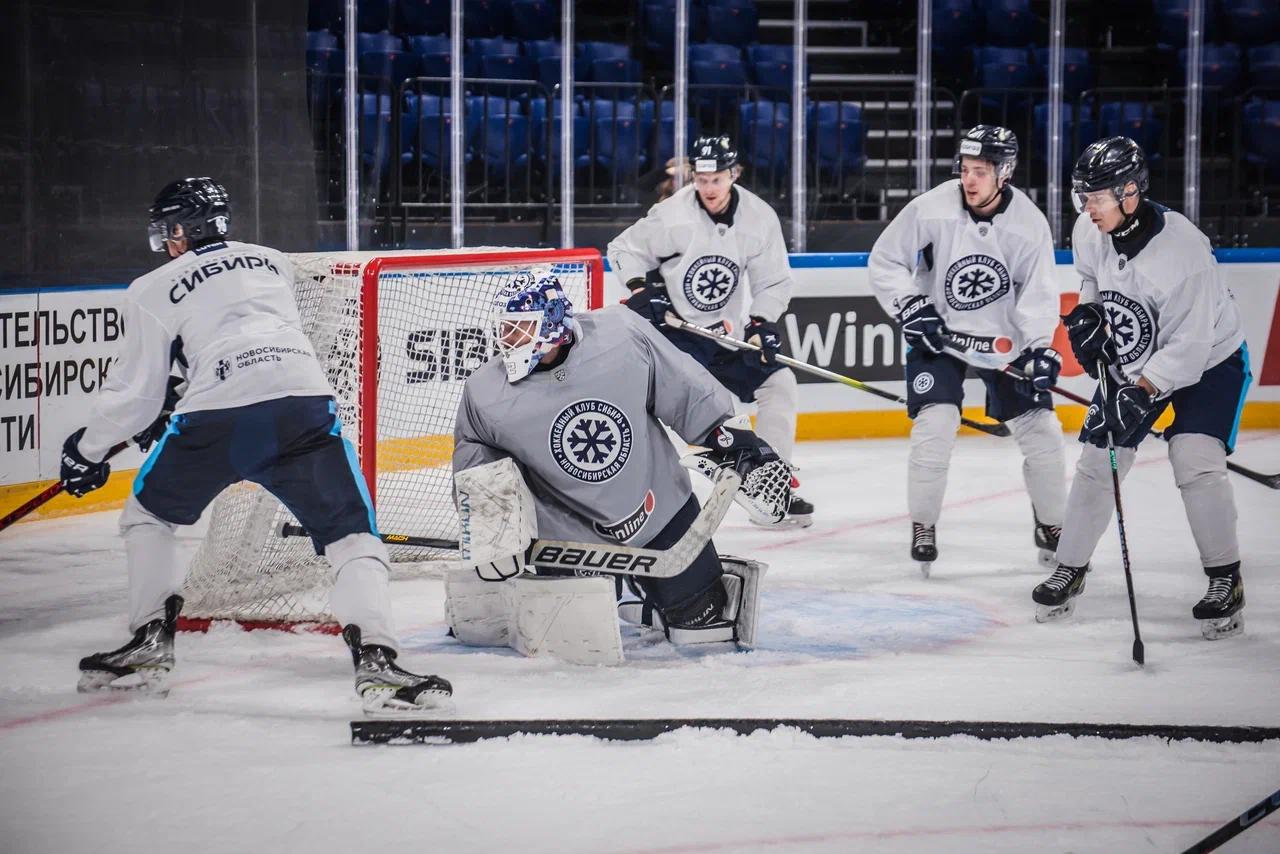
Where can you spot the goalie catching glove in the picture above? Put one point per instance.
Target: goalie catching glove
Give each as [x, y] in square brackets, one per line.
[766, 479]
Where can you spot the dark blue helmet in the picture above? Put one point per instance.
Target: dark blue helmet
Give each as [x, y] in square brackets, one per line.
[200, 205]
[712, 154]
[1110, 164]
[989, 142]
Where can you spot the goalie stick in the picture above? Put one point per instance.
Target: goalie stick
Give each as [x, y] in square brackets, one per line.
[983, 360]
[1240, 823]
[604, 557]
[49, 493]
[992, 429]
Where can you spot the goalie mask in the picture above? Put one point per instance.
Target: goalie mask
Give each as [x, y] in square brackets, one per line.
[530, 317]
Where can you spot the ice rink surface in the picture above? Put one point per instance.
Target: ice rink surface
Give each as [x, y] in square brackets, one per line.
[251, 750]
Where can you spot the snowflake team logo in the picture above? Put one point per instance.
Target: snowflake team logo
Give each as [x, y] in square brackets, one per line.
[1131, 328]
[975, 281]
[591, 440]
[923, 382]
[710, 281]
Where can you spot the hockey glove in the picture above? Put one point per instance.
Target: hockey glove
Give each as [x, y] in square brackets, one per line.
[78, 475]
[649, 301]
[1123, 416]
[1038, 370]
[1087, 329]
[765, 335]
[145, 438]
[740, 448]
[922, 326]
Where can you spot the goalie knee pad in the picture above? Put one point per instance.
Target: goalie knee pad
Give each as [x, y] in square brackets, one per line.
[568, 617]
[498, 518]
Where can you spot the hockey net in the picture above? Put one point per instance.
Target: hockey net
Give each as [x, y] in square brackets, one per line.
[398, 334]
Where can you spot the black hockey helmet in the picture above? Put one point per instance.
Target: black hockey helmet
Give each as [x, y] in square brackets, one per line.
[989, 142]
[713, 154]
[1109, 164]
[200, 205]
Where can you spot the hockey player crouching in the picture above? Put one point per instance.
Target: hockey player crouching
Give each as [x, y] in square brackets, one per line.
[713, 255]
[560, 438]
[1156, 313]
[270, 422]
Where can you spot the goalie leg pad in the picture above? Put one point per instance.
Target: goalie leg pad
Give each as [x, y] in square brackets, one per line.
[568, 617]
[478, 611]
[742, 582]
[497, 513]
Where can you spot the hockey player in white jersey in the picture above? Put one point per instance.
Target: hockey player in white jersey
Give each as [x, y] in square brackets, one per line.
[575, 402]
[713, 254]
[974, 257]
[257, 407]
[1155, 312]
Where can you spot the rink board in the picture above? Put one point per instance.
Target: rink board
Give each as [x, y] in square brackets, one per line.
[57, 344]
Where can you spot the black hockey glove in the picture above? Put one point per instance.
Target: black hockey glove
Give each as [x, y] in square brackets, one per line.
[145, 438]
[649, 301]
[922, 326]
[1038, 370]
[1087, 329]
[765, 335]
[740, 448]
[79, 476]
[1123, 416]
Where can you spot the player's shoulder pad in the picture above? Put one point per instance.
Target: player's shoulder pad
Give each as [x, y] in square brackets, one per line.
[942, 202]
[1180, 248]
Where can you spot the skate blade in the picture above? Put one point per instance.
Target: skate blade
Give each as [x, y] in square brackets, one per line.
[926, 566]
[788, 522]
[381, 702]
[1050, 613]
[1048, 559]
[1223, 627]
[148, 681]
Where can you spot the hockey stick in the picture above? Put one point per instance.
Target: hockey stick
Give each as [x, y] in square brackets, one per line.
[1139, 653]
[603, 557]
[1240, 823]
[992, 429]
[983, 360]
[49, 493]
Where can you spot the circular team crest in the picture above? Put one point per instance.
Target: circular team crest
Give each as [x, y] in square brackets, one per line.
[1131, 328]
[975, 281]
[591, 440]
[710, 281]
[922, 383]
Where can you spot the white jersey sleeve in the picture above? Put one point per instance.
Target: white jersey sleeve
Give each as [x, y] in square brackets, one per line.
[1084, 258]
[769, 269]
[1036, 314]
[1186, 336]
[891, 267]
[643, 246]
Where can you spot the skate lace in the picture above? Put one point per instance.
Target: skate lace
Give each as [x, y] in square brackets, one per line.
[922, 535]
[1061, 578]
[1219, 589]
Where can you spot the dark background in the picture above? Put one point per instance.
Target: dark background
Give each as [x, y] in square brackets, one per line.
[105, 102]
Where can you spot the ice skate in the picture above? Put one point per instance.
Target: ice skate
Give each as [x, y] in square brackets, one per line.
[142, 665]
[1221, 611]
[1047, 541]
[1055, 597]
[387, 690]
[924, 546]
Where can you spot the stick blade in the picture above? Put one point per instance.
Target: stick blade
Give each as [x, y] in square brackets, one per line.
[1139, 652]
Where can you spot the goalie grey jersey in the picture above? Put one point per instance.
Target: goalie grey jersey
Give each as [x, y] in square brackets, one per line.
[987, 277]
[229, 309]
[714, 270]
[586, 434]
[1171, 315]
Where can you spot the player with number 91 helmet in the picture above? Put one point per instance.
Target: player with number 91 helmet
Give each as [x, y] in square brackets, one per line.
[531, 317]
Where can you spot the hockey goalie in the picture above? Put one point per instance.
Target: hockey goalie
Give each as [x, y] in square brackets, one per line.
[561, 437]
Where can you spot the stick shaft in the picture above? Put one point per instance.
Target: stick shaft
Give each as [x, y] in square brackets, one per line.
[1240, 823]
[50, 492]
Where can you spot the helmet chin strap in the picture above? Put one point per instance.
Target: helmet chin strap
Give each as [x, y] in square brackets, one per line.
[991, 198]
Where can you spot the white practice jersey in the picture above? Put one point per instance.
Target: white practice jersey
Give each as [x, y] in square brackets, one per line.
[1171, 315]
[987, 277]
[229, 309]
[586, 433]
[714, 271]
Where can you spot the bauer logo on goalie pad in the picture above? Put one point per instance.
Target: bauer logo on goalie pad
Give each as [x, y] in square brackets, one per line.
[589, 558]
[975, 281]
[1129, 326]
[591, 440]
[627, 528]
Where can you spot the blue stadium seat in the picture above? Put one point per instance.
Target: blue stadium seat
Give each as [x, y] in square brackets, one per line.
[1171, 22]
[538, 48]
[603, 108]
[1004, 76]
[1252, 21]
[765, 110]
[507, 68]
[366, 42]
[534, 19]
[774, 76]
[832, 111]
[1135, 120]
[435, 64]
[494, 47]
[618, 148]
[769, 53]
[386, 69]
[713, 52]
[993, 53]
[840, 142]
[373, 15]
[491, 106]
[1011, 23]
[728, 78]
[429, 137]
[956, 27]
[416, 17]
[504, 144]
[1264, 66]
[1262, 135]
[735, 21]
[1071, 141]
[581, 144]
[766, 146]
[321, 40]
[615, 71]
[1077, 71]
[485, 18]
[665, 135]
[1220, 65]
[427, 44]
[589, 51]
[375, 132]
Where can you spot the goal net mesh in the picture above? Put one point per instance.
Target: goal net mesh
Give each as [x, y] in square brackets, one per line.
[432, 321]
